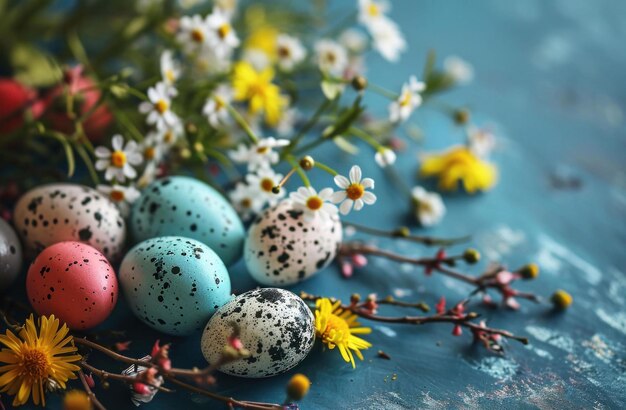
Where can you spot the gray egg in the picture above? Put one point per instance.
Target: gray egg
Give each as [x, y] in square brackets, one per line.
[276, 326]
[10, 255]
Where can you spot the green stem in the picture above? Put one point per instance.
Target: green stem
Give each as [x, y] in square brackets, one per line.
[241, 122]
[307, 127]
[359, 133]
[301, 173]
[326, 168]
[383, 91]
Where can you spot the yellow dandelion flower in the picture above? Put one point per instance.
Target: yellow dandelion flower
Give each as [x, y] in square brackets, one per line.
[33, 359]
[256, 87]
[76, 400]
[337, 327]
[263, 35]
[459, 164]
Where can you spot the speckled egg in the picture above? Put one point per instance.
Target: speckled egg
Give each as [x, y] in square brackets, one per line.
[275, 325]
[73, 281]
[174, 284]
[282, 248]
[10, 255]
[183, 206]
[67, 212]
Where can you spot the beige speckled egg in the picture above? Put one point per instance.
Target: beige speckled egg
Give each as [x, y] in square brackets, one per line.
[283, 249]
[67, 212]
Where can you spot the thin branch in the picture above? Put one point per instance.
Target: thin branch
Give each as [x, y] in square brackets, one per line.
[92, 396]
[403, 234]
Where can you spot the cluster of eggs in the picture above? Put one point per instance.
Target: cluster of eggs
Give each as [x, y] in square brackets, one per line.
[175, 278]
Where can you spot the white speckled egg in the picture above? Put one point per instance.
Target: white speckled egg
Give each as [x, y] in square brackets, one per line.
[276, 326]
[174, 284]
[67, 212]
[282, 248]
[184, 206]
[10, 255]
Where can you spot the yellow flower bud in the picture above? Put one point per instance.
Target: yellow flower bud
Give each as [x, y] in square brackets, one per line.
[471, 256]
[76, 400]
[530, 271]
[298, 386]
[561, 299]
[307, 163]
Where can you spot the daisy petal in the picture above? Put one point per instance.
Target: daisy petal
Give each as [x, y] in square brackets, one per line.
[346, 206]
[355, 174]
[341, 181]
[369, 198]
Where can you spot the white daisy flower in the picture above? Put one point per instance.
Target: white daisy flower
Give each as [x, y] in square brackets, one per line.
[170, 134]
[246, 201]
[121, 196]
[215, 107]
[332, 58]
[170, 68]
[118, 163]
[459, 69]
[480, 141]
[314, 205]
[152, 147]
[263, 181]
[223, 38]
[409, 100]
[290, 52]
[353, 191]
[429, 207]
[387, 39]
[260, 154]
[353, 40]
[158, 108]
[385, 157]
[371, 12]
[194, 33]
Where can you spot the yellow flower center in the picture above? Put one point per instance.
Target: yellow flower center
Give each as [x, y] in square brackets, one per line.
[262, 150]
[331, 58]
[425, 207]
[283, 52]
[314, 203]
[118, 159]
[373, 10]
[35, 364]
[161, 106]
[117, 196]
[405, 99]
[168, 137]
[149, 153]
[337, 324]
[223, 30]
[197, 35]
[169, 75]
[267, 184]
[355, 191]
[219, 103]
[246, 203]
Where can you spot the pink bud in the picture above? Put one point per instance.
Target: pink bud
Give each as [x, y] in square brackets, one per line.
[441, 306]
[141, 388]
[504, 277]
[235, 343]
[346, 269]
[155, 349]
[166, 364]
[359, 260]
[512, 303]
[90, 382]
[457, 331]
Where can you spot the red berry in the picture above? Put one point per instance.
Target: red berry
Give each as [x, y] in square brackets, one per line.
[17, 100]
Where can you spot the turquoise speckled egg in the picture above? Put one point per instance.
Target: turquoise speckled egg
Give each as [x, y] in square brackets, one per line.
[174, 284]
[183, 206]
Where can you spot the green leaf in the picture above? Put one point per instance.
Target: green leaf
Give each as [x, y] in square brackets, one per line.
[332, 89]
[345, 145]
[33, 67]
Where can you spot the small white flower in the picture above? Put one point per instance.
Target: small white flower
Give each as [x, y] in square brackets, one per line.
[459, 69]
[152, 147]
[287, 122]
[121, 196]
[150, 173]
[429, 207]
[170, 68]
[409, 100]
[290, 52]
[314, 205]
[354, 40]
[118, 163]
[263, 181]
[480, 141]
[245, 200]
[194, 33]
[259, 155]
[387, 39]
[170, 134]
[371, 12]
[215, 107]
[158, 108]
[223, 38]
[332, 58]
[385, 157]
[353, 191]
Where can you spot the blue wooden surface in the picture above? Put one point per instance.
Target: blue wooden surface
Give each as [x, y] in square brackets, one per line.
[550, 78]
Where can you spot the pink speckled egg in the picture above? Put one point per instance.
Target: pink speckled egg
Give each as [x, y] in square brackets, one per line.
[73, 281]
